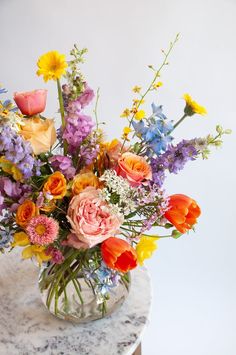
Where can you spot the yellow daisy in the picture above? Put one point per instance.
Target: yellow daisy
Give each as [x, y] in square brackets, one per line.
[193, 107]
[52, 65]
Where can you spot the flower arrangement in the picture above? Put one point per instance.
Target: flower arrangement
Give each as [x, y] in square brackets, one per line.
[78, 204]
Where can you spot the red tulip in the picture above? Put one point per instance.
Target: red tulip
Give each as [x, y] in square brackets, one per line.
[118, 254]
[183, 212]
[32, 102]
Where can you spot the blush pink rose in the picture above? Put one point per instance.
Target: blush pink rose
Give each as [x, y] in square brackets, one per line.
[134, 168]
[91, 219]
[32, 102]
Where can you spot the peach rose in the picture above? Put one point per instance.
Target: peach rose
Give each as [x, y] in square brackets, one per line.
[134, 168]
[40, 133]
[32, 102]
[91, 219]
[25, 212]
[81, 181]
[56, 185]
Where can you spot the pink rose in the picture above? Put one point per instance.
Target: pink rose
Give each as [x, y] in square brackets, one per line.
[134, 168]
[91, 219]
[32, 102]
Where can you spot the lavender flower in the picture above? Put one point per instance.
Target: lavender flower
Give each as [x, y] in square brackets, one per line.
[15, 149]
[89, 151]
[64, 165]
[173, 160]
[15, 192]
[78, 127]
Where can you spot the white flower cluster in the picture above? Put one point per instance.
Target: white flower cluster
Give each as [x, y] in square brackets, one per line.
[119, 187]
[11, 119]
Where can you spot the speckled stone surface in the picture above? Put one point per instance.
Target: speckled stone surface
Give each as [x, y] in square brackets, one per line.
[26, 327]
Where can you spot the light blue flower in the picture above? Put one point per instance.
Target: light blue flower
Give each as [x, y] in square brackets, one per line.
[157, 111]
[3, 91]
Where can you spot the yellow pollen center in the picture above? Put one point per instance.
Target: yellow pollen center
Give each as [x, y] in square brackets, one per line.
[40, 229]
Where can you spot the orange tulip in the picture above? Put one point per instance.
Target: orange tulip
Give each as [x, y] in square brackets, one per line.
[118, 254]
[183, 212]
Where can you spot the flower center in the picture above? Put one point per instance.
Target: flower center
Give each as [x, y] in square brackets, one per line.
[40, 229]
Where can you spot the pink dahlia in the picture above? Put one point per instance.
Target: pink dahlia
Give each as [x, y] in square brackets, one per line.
[42, 230]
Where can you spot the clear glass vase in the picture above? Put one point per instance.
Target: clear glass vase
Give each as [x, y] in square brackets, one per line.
[79, 292]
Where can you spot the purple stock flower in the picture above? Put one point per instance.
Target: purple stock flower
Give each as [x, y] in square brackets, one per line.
[64, 165]
[173, 160]
[86, 97]
[15, 192]
[78, 127]
[18, 151]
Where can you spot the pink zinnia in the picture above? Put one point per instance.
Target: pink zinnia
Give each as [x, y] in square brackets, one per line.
[42, 230]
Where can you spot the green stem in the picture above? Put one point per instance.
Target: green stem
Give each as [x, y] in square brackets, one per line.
[78, 291]
[62, 111]
[179, 121]
[96, 108]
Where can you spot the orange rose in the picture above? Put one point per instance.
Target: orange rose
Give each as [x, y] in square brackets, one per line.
[40, 133]
[56, 185]
[25, 212]
[84, 180]
[118, 254]
[183, 212]
[134, 168]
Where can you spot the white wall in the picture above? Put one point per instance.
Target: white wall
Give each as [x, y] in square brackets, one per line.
[194, 287]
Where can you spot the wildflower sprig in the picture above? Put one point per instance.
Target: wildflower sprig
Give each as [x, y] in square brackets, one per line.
[156, 75]
[74, 76]
[215, 141]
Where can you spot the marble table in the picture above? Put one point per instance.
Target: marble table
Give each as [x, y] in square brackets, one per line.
[27, 328]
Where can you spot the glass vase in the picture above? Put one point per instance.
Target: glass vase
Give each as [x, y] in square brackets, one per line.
[81, 290]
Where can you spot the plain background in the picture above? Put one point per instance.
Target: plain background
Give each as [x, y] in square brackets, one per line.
[194, 291]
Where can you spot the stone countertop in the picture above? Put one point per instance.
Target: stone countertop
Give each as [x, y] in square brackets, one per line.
[26, 327]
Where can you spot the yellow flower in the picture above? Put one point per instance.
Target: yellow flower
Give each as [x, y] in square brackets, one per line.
[21, 239]
[126, 132]
[137, 102]
[140, 115]
[52, 65]
[125, 113]
[37, 251]
[136, 89]
[157, 85]
[145, 248]
[10, 168]
[193, 107]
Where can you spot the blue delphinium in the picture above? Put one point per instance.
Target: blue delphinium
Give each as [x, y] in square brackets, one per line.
[2, 90]
[156, 132]
[104, 278]
[6, 236]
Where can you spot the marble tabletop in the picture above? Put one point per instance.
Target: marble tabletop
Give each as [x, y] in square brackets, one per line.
[27, 328]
